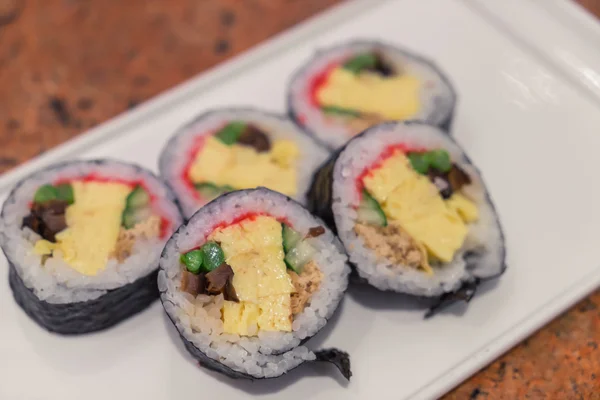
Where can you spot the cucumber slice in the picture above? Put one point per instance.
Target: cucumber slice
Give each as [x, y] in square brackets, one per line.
[370, 212]
[137, 207]
[138, 198]
[210, 190]
[289, 237]
[227, 188]
[298, 256]
[231, 132]
[297, 250]
[360, 62]
[340, 111]
[133, 216]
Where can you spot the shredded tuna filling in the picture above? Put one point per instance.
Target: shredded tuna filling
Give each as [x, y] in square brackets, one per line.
[305, 285]
[412, 210]
[267, 292]
[393, 243]
[150, 228]
[89, 226]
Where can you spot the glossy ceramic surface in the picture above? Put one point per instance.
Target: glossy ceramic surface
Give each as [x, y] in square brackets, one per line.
[519, 112]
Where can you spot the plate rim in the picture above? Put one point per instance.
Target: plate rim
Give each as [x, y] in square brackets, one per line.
[276, 44]
[574, 57]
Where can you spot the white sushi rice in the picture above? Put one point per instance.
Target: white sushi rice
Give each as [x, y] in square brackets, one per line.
[484, 236]
[269, 354]
[437, 97]
[174, 157]
[55, 281]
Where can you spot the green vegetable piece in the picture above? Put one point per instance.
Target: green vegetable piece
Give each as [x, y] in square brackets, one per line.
[419, 162]
[136, 207]
[290, 237]
[128, 218]
[138, 198]
[65, 193]
[297, 257]
[369, 211]
[231, 132]
[193, 261]
[360, 62]
[439, 159]
[297, 250]
[132, 216]
[210, 190]
[227, 188]
[45, 193]
[340, 111]
[213, 256]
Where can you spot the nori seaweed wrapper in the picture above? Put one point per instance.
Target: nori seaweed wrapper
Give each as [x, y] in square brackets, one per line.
[172, 151]
[301, 74]
[319, 202]
[339, 358]
[319, 196]
[85, 316]
[101, 313]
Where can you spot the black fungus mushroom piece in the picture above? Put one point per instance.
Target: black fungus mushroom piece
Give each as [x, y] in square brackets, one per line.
[230, 294]
[193, 284]
[441, 182]
[53, 214]
[458, 177]
[47, 219]
[220, 280]
[449, 182]
[315, 231]
[254, 137]
[34, 223]
[382, 67]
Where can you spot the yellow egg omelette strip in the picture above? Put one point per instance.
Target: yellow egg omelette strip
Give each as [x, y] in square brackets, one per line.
[253, 248]
[464, 207]
[93, 224]
[242, 167]
[389, 97]
[240, 318]
[411, 199]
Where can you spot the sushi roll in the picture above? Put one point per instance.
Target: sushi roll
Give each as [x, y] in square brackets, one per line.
[238, 148]
[412, 212]
[347, 88]
[83, 240]
[248, 279]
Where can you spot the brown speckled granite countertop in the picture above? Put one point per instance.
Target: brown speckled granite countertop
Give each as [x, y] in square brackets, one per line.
[67, 65]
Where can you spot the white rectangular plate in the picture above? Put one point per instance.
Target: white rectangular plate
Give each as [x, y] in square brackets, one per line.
[533, 133]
